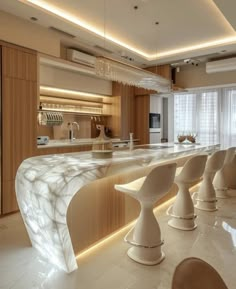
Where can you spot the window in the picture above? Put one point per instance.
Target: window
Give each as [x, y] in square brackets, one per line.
[228, 126]
[197, 113]
[184, 114]
[208, 117]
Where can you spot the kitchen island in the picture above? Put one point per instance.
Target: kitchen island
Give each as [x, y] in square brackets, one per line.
[49, 188]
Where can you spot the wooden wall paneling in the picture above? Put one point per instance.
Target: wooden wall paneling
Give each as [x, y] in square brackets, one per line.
[9, 203]
[19, 64]
[127, 111]
[106, 210]
[142, 108]
[19, 117]
[125, 116]
[143, 91]
[162, 70]
[114, 121]
[7, 131]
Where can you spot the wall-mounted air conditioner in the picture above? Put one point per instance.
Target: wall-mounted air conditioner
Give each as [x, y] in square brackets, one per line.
[221, 65]
[80, 57]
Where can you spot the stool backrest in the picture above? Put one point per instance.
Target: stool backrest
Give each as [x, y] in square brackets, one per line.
[195, 273]
[193, 169]
[216, 161]
[230, 154]
[158, 181]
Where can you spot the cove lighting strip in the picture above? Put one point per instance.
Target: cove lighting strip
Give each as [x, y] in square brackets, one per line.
[112, 236]
[75, 20]
[45, 89]
[98, 245]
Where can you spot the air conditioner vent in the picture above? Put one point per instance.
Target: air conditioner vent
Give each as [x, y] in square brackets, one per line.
[81, 58]
[61, 32]
[228, 64]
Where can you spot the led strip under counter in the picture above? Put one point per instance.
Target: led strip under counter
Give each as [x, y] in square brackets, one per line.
[45, 186]
[73, 101]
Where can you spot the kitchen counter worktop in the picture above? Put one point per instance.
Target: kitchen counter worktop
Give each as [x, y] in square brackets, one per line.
[45, 186]
[79, 142]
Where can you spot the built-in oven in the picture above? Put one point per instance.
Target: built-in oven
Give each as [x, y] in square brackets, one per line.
[154, 122]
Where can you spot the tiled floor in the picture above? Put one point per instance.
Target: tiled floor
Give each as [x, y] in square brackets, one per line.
[109, 267]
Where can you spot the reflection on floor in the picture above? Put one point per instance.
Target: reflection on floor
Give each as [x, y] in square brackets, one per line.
[109, 267]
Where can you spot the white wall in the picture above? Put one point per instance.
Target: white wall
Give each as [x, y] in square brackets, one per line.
[196, 76]
[27, 34]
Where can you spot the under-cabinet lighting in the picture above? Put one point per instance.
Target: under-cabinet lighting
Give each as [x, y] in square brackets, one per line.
[44, 5]
[112, 236]
[98, 245]
[49, 89]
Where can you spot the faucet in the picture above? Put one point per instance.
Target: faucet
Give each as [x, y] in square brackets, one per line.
[70, 126]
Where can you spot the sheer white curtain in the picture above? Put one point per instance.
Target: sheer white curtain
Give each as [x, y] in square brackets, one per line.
[197, 112]
[228, 124]
[208, 122]
[184, 114]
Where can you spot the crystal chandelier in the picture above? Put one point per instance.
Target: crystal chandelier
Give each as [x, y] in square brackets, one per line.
[126, 74]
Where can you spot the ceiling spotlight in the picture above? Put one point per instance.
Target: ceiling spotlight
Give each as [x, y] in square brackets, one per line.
[33, 18]
[187, 61]
[194, 62]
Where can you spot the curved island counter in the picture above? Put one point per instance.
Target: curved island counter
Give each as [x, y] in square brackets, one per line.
[46, 185]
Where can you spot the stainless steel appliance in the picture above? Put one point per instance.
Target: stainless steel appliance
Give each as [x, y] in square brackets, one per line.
[154, 122]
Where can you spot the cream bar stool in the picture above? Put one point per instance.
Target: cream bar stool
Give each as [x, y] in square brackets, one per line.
[182, 211]
[195, 273]
[220, 181]
[206, 195]
[145, 237]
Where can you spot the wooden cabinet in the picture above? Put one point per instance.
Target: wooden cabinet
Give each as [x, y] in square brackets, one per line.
[19, 119]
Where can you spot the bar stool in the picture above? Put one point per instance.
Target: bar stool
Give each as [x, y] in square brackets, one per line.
[145, 237]
[195, 273]
[182, 211]
[220, 180]
[206, 195]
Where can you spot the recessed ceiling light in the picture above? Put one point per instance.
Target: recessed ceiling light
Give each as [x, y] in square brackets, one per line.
[33, 18]
[77, 21]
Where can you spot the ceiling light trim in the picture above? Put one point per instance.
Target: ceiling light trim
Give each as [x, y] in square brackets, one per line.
[150, 57]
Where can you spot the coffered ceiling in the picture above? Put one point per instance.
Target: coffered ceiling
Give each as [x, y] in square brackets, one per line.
[146, 31]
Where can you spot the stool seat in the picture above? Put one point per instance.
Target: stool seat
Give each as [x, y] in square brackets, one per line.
[145, 237]
[182, 212]
[220, 180]
[131, 188]
[206, 195]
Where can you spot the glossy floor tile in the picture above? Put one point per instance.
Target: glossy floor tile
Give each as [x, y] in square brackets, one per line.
[108, 267]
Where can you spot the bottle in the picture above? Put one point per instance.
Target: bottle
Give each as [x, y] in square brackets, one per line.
[131, 142]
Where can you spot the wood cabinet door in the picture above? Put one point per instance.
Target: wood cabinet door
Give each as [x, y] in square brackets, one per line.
[142, 106]
[19, 117]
